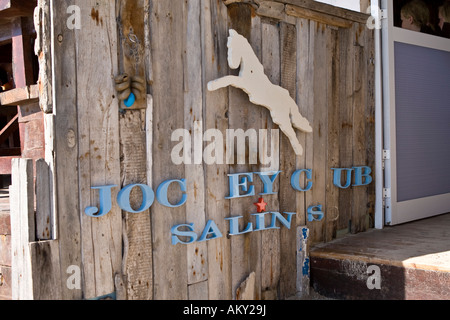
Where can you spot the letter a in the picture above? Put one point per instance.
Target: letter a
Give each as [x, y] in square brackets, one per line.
[74, 21]
[374, 281]
[74, 281]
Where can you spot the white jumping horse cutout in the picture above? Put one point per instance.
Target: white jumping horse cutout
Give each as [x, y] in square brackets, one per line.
[252, 80]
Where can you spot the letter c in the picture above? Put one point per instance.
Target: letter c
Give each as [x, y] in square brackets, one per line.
[161, 193]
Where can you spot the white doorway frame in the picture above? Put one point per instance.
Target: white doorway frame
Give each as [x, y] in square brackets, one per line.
[400, 212]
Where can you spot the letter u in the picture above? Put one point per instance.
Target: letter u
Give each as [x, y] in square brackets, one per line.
[337, 178]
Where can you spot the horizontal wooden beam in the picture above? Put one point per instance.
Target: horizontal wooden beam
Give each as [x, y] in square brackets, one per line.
[8, 152]
[318, 16]
[5, 164]
[287, 10]
[20, 96]
[328, 10]
[10, 9]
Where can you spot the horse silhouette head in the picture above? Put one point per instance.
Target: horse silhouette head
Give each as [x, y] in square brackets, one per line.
[235, 42]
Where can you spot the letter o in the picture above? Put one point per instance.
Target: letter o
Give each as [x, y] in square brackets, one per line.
[123, 198]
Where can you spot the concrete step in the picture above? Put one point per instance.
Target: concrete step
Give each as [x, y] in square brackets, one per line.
[405, 262]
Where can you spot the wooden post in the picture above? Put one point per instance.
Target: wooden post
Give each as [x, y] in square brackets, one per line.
[270, 240]
[288, 159]
[137, 263]
[169, 261]
[42, 50]
[44, 230]
[22, 228]
[303, 275]
[215, 30]
[22, 52]
[131, 33]
[197, 255]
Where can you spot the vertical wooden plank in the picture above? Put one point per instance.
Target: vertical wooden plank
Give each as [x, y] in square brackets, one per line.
[303, 262]
[255, 117]
[132, 42]
[137, 264]
[43, 201]
[240, 17]
[16, 253]
[98, 144]
[346, 38]
[332, 192]
[22, 51]
[270, 240]
[370, 121]
[170, 262]
[310, 112]
[288, 43]
[66, 142]
[305, 96]
[304, 101]
[320, 127]
[215, 34]
[197, 255]
[42, 49]
[22, 58]
[45, 270]
[22, 228]
[359, 126]
[49, 134]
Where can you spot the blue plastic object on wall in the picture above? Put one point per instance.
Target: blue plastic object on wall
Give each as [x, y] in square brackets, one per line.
[130, 100]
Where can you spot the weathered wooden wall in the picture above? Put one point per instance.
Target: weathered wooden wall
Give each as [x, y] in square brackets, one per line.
[322, 55]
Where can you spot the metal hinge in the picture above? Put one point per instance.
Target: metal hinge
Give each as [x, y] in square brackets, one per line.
[386, 156]
[386, 193]
[383, 14]
[386, 197]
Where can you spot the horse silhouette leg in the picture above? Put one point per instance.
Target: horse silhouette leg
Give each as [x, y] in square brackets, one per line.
[225, 82]
[298, 121]
[292, 136]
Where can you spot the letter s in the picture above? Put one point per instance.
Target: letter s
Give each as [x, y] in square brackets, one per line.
[176, 233]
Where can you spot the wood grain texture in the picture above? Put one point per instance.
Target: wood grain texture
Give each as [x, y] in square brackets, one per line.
[91, 142]
[170, 262]
[215, 33]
